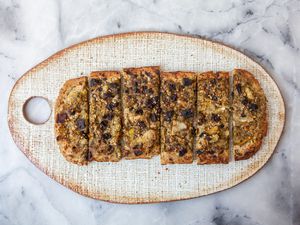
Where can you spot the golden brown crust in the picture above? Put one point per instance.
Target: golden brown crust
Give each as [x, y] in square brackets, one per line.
[212, 124]
[105, 116]
[71, 121]
[140, 99]
[177, 116]
[249, 115]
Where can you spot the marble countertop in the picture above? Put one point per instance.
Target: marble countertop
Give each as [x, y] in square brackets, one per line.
[266, 30]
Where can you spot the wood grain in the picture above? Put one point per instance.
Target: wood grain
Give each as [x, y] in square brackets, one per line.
[136, 181]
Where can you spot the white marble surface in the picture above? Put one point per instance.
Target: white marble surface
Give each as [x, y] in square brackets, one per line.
[266, 30]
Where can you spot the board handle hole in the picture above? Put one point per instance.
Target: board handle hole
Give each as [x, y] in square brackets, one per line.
[37, 110]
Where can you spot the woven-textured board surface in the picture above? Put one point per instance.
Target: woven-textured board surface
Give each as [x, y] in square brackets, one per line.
[136, 181]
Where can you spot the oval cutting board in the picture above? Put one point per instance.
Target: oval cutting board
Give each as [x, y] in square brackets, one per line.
[136, 181]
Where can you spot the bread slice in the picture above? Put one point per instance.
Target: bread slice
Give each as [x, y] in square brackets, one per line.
[249, 114]
[72, 121]
[212, 124]
[140, 98]
[177, 116]
[105, 116]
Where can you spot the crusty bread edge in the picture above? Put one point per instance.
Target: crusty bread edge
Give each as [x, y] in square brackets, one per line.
[255, 147]
[59, 101]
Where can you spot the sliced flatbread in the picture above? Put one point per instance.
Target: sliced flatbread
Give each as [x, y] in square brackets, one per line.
[212, 124]
[72, 121]
[178, 109]
[105, 116]
[249, 115]
[140, 98]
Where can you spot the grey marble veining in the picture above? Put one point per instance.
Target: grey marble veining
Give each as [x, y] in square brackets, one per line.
[266, 30]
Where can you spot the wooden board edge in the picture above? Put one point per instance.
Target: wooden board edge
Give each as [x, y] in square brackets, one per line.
[127, 200]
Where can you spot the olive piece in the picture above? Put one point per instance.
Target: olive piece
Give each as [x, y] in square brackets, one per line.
[215, 117]
[103, 124]
[253, 107]
[245, 101]
[107, 95]
[199, 152]
[139, 111]
[80, 123]
[108, 116]
[215, 98]
[239, 88]
[173, 97]
[138, 152]
[141, 124]
[152, 102]
[153, 117]
[186, 81]
[182, 152]
[172, 87]
[187, 113]
[61, 117]
[94, 82]
[106, 136]
[169, 115]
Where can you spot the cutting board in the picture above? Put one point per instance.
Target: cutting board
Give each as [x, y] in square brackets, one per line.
[136, 181]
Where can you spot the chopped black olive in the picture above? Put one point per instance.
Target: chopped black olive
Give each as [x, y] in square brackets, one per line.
[89, 156]
[152, 102]
[199, 152]
[245, 101]
[106, 136]
[153, 117]
[215, 98]
[215, 117]
[186, 81]
[213, 81]
[80, 123]
[169, 115]
[138, 152]
[173, 97]
[61, 117]
[111, 105]
[115, 85]
[239, 88]
[139, 111]
[110, 149]
[221, 125]
[108, 95]
[187, 113]
[172, 87]
[103, 124]
[108, 116]
[94, 82]
[253, 107]
[182, 152]
[141, 124]
[72, 112]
